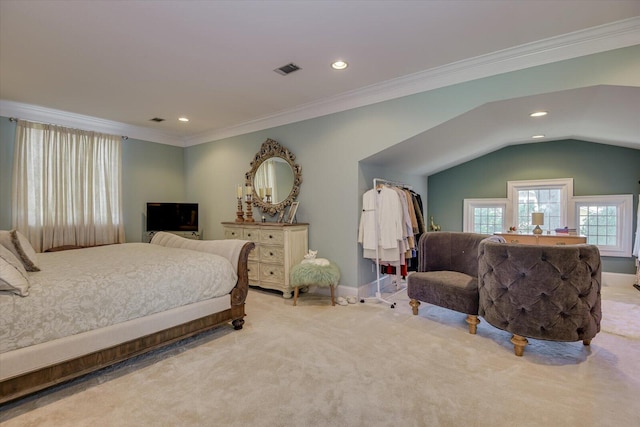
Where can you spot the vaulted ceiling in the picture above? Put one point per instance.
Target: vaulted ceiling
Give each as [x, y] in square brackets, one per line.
[121, 63]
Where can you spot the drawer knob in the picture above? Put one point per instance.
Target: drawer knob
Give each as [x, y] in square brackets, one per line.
[270, 236]
[271, 253]
[271, 272]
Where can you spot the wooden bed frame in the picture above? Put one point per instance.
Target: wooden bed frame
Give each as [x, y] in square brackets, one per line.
[31, 382]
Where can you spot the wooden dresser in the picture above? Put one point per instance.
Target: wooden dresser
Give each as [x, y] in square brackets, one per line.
[543, 239]
[279, 247]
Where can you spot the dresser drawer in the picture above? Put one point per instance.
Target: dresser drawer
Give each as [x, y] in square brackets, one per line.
[233, 233]
[272, 254]
[274, 237]
[251, 234]
[272, 273]
[254, 271]
[254, 255]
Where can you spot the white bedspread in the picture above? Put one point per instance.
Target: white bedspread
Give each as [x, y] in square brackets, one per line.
[85, 289]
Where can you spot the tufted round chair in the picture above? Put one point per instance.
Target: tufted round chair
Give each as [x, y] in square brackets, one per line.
[543, 292]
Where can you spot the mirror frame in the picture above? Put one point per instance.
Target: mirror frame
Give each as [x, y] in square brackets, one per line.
[268, 150]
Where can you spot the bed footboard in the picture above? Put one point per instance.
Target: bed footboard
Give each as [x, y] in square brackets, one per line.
[239, 293]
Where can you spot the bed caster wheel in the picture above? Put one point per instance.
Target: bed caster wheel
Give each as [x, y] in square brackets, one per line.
[362, 300]
[393, 305]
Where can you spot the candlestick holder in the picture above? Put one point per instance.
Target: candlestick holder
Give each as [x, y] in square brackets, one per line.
[239, 213]
[248, 201]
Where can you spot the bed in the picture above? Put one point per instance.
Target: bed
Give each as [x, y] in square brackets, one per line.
[80, 310]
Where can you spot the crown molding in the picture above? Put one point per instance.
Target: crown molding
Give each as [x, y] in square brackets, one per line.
[589, 41]
[36, 113]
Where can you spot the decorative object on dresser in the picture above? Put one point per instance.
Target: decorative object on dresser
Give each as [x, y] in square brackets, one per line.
[543, 239]
[279, 246]
[249, 201]
[274, 179]
[292, 212]
[240, 211]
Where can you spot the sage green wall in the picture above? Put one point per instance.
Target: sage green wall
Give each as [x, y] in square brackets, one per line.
[329, 149]
[150, 172]
[596, 169]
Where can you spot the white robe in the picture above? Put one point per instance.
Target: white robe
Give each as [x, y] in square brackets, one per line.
[381, 218]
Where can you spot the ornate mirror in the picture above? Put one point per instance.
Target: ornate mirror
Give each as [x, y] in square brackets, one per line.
[275, 178]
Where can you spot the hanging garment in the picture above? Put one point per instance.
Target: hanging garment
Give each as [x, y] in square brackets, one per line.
[381, 225]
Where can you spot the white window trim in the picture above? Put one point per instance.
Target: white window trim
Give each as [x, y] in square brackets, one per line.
[625, 220]
[566, 193]
[471, 204]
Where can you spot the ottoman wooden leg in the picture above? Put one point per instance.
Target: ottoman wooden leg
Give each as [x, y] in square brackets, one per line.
[519, 343]
[296, 290]
[472, 320]
[333, 300]
[414, 303]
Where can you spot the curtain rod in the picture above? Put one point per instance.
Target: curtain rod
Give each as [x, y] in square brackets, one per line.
[15, 119]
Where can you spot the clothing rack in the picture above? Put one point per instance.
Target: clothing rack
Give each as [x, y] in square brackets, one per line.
[378, 296]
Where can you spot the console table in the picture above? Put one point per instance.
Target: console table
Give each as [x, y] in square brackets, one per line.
[279, 246]
[543, 239]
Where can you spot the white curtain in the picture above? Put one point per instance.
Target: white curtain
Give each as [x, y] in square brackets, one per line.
[265, 177]
[66, 186]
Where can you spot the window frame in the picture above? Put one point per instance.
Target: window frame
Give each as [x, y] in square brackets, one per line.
[569, 205]
[565, 185]
[624, 204]
[469, 210]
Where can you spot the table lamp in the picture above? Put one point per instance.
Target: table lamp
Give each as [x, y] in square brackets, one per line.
[537, 219]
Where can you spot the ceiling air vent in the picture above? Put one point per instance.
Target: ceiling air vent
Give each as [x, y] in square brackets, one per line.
[156, 119]
[287, 69]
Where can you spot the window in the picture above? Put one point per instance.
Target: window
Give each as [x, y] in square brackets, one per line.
[484, 216]
[66, 186]
[550, 196]
[605, 220]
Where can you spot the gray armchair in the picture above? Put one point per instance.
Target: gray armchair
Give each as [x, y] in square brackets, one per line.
[542, 292]
[447, 273]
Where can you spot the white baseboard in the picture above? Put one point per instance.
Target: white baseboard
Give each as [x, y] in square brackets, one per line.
[369, 290]
[618, 279]
[364, 291]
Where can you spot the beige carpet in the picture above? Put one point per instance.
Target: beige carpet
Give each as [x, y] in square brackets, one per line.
[359, 365]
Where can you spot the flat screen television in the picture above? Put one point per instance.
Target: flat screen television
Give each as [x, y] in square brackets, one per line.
[172, 216]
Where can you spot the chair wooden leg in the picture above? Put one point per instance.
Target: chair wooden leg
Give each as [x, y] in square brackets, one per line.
[414, 303]
[519, 343]
[472, 320]
[296, 290]
[333, 299]
[586, 342]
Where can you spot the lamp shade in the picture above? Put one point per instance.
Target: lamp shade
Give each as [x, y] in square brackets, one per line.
[537, 218]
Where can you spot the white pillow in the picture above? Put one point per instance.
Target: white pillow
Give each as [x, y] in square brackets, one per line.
[19, 245]
[13, 276]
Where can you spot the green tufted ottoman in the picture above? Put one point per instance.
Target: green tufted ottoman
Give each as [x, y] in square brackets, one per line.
[309, 274]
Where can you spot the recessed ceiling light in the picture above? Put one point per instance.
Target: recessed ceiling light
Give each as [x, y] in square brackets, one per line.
[339, 65]
[538, 114]
[538, 136]
[183, 119]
